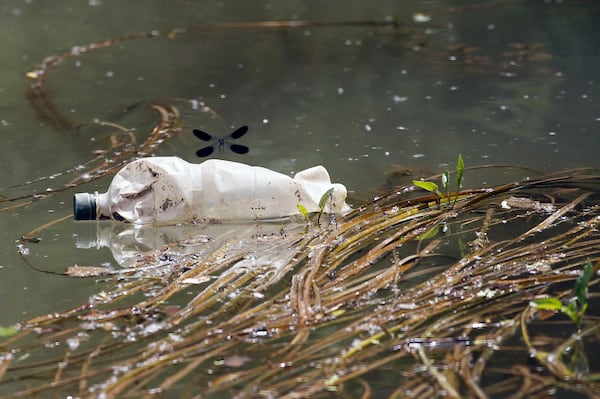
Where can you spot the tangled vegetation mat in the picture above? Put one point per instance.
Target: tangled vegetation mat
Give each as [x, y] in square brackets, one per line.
[402, 297]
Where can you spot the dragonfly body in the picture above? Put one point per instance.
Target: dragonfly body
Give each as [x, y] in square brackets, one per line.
[220, 143]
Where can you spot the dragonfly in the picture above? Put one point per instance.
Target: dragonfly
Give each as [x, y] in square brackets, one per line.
[219, 143]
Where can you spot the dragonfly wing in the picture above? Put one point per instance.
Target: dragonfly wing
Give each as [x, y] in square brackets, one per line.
[206, 151]
[239, 132]
[202, 135]
[239, 149]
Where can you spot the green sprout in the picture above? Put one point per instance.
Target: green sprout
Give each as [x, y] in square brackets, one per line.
[8, 331]
[460, 168]
[327, 195]
[577, 306]
[323, 201]
[434, 188]
[304, 212]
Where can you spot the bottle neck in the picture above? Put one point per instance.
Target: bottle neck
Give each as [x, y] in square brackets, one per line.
[103, 206]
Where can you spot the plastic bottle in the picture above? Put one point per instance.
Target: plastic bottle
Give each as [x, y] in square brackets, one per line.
[169, 190]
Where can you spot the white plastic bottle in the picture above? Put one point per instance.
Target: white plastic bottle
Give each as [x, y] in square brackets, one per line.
[169, 190]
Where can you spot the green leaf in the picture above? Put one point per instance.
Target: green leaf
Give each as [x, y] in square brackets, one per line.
[548, 304]
[581, 286]
[556, 305]
[427, 185]
[460, 168]
[324, 198]
[6, 332]
[323, 201]
[303, 211]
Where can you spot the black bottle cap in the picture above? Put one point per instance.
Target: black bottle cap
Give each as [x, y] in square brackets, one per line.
[84, 206]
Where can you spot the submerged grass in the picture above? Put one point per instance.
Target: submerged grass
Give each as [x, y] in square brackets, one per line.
[365, 306]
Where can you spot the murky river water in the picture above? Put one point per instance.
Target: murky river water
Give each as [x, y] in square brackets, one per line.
[514, 84]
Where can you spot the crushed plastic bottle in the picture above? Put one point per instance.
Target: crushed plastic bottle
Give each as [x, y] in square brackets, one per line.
[169, 190]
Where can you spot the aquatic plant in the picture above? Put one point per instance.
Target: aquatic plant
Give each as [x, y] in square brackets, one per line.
[434, 188]
[577, 305]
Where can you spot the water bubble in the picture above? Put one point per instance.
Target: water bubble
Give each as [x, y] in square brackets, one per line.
[420, 17]
[23, 250]
[73, 343]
